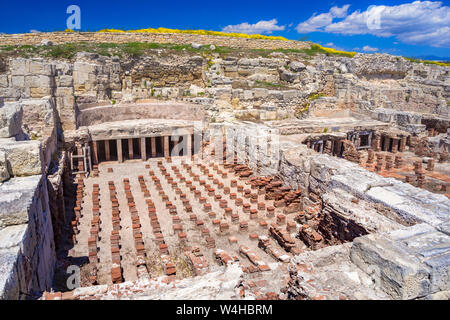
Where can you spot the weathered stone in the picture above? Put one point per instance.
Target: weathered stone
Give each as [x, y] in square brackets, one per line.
[23, 157]
[10, 120]
[16, 196]
[4, 172]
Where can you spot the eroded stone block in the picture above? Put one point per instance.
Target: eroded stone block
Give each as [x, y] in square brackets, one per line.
[10, 120]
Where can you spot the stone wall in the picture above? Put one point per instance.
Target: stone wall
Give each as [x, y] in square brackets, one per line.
[159, 110]
[27, 147]
[100, 37]
[275, 87]
[27, 249]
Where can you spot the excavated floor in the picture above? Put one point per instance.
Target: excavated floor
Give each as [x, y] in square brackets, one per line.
[436, 179]
[198, 232]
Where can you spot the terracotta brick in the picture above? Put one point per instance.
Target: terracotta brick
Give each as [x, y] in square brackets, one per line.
[232, 240]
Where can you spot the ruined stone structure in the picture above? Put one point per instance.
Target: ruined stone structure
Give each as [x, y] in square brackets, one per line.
[180, 175]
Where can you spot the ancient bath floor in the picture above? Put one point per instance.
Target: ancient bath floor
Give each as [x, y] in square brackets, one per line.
[175, 234]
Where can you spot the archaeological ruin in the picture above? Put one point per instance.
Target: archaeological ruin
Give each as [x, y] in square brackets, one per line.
[229, 169]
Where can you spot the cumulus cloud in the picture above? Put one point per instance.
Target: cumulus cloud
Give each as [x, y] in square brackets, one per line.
[340, 12]
[418, 23]
[259, 27]
[317, 22]
[370, 49]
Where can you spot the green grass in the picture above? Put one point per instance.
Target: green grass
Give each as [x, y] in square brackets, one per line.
[69, 50]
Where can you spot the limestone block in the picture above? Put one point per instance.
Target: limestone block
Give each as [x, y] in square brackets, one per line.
[9, 279]
[4, 172]
[10, 93]
[3, 81]
[297, 66]
[82, 72]
[444, 227]
[322, 169]
[290, 94]
[40, 92]
[275, 94]
[16, 197]
[64, 92]
[42, 68]
[267, 115]
[248, 94]
[19, 67]
[36, 81]
[18, 81]
[432, 248]
[260, 93]
[264, 77]
[23, 157]
[38, 114]
[394, 269]
[288, 76]
[10, 120]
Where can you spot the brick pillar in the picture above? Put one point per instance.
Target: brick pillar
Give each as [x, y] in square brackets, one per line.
[119, 150]
[143, 149]
[395, 145]
[153, 146]
[370, 156]
[338, 148]
[385, 143]
[402, 145]
[327, 148]
[376, 142]
[80, 160]
[107, 152]
[130, 149]
[430, 165]
[166, 147]
[95, 152]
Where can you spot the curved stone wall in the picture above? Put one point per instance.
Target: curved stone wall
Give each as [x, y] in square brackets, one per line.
[178, 111]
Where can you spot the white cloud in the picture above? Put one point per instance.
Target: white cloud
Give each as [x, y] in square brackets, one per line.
[332, 45]
[418, 23]
[259, 27]
[34, 31]
[370, 49]
[340, 12]
[316, 22]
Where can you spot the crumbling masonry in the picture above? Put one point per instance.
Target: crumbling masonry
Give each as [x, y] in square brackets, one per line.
[175, 175]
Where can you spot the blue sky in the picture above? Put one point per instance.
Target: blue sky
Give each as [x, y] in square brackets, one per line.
[420, 28]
